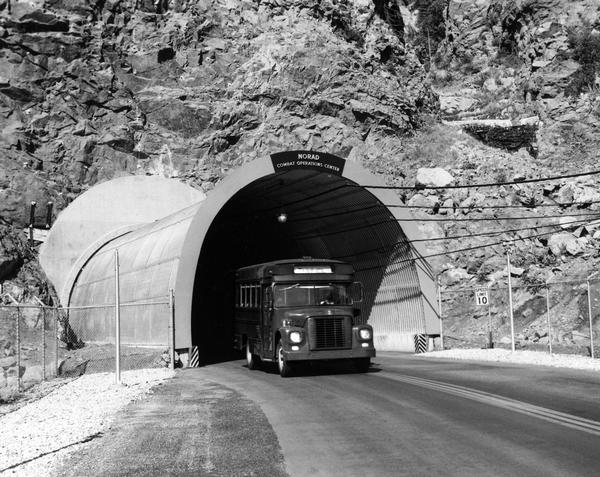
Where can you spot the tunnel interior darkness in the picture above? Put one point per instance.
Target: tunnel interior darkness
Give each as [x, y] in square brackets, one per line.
[328, 216]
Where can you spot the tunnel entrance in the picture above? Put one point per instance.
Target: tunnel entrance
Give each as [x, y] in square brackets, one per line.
[328, 216]
[189, 251]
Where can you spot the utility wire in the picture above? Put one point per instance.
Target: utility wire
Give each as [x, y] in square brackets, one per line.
[315, 232]
[488, 184]
[499, 232]
[393, 245]
[418, 188]
[310, 197]
[515, 206]
[351, 186]
[345, 210]
[466, 249]
[457, 207]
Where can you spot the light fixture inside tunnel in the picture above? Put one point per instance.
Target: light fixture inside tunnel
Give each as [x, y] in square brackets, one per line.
[282, 218]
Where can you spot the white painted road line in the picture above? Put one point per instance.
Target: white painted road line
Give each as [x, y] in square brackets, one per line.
[564, 419]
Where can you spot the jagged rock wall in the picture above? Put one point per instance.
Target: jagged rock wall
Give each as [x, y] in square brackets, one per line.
[90, 90]
[20, 276]
[193, 88]
[509, 72]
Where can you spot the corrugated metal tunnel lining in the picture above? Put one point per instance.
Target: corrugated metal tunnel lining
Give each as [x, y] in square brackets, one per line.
[328, 216]
[148, 262]
[196, 251]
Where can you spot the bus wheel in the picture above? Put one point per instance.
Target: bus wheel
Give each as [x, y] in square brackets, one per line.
[362, 364]
[285, 368]
[252, 359]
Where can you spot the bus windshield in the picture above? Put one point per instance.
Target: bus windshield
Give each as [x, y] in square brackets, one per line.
[300, 294]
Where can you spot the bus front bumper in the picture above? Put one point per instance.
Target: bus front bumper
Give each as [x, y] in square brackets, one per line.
[305, 354]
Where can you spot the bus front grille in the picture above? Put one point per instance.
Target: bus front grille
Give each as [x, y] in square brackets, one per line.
[330, 332]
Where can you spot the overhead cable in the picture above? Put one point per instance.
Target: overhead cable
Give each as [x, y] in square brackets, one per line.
[466, 249]
[316, 232]
[346, 211]
[391, 246]
[489, 184]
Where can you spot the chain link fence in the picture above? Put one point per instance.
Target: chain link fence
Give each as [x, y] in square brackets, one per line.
[38, 343]
[90, 336]
[28, 347]
[558, 317]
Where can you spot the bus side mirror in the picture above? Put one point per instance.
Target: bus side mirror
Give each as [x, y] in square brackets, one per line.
[356, 292]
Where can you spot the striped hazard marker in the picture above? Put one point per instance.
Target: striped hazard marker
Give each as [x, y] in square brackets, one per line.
[420, 343]
[194, 358]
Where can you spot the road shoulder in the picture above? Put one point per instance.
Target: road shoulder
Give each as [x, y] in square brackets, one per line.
[188, 426]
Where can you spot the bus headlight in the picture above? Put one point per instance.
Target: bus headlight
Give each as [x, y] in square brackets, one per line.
[295, 336]
[364, 333]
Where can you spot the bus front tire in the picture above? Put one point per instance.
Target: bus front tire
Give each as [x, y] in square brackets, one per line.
[252, 360]
[284, 367]
[362, 364]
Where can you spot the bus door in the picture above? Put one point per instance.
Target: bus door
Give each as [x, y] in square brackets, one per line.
[267, 320]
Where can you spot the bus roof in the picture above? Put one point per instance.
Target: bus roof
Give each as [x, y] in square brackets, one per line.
[296, 267]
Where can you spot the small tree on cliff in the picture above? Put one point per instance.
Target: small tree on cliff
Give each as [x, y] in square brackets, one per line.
[585, 46]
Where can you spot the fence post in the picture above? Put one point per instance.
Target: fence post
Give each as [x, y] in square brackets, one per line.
[18, 348]
[117, 322]
[31, 221]
[172, 329]
[439, 286]
[56, 315]
[43, 337]
[548, 317]
[18, 339]
[490, 332]
[510, 303]
[589, 298]
[43, 344]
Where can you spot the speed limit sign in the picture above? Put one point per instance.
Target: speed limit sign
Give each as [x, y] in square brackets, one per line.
[481, 296]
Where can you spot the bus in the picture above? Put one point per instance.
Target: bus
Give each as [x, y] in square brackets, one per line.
[300, 310]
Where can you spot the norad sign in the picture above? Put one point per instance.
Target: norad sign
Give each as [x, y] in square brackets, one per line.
[318, 161]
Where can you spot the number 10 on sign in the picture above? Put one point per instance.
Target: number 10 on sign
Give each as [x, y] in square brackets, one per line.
[481, 296]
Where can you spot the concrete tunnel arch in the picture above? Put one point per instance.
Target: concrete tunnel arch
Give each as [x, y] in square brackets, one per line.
[199, 246]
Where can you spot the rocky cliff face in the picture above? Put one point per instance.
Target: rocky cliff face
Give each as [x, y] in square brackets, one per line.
[191, 89]
[523, 78]
[90, 90]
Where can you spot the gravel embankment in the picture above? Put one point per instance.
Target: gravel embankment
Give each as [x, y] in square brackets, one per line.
[518, 357]
[36, 436]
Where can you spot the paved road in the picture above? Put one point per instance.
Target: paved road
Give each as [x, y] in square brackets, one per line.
[412, 416]
[408, 416]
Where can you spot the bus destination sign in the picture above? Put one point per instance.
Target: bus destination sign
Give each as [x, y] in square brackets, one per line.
[319, 161]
